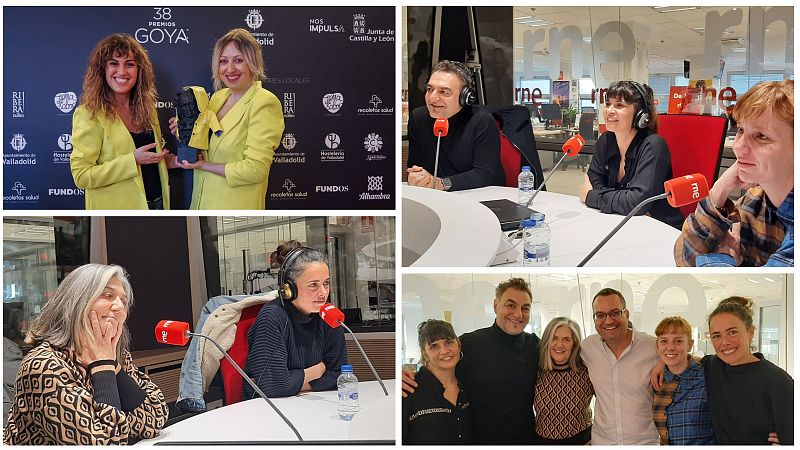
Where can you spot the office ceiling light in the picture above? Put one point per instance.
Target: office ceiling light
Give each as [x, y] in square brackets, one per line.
[770, 280]
[739, 50]
[523, 17]
[535, 22]
[670, 9]
[587, 39]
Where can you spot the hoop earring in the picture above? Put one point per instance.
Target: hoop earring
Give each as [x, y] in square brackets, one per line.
[462, 357]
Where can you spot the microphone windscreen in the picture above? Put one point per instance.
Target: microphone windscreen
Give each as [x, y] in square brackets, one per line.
[686, 190]
[332, 315]
[172, 332]
[441, 126]
[573, 145]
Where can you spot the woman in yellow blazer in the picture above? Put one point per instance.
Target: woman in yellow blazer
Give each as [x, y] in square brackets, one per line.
[117, 156]
[233, 172]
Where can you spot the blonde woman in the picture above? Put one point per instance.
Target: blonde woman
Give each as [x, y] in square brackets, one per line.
[79, 386]
[234, 171]
[117, 156]
[563, 389]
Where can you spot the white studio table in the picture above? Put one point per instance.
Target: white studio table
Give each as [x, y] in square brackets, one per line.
[467, 228]
[314, 414]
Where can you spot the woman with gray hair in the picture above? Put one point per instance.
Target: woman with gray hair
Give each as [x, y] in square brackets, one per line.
[291, 349]
[563, 388]
[79, 386]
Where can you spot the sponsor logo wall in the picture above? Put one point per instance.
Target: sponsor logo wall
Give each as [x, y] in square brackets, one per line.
[333, 70]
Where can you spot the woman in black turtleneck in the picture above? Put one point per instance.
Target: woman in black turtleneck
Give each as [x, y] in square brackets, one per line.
[630, 162]
[470, 153]
[290, 348]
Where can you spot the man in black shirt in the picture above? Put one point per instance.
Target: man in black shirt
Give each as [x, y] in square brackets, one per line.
[498, 370]
[469, 156]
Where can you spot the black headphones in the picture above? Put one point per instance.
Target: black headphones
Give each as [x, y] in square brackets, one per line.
[467, 95]
[287, 290]
[642, 117]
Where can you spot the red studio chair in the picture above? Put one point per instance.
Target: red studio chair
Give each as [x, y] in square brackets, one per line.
[231, 379]
[695, 146]
[510, 159]
[517, 143]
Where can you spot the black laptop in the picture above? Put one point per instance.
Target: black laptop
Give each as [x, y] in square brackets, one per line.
[509, 213]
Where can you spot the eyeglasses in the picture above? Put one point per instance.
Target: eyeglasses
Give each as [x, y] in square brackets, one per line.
[615, 314]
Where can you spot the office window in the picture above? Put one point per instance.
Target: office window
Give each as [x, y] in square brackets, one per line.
[38, 252]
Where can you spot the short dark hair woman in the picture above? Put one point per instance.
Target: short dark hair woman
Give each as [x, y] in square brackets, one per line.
[291, 349]
[631, 162]
[438, 412]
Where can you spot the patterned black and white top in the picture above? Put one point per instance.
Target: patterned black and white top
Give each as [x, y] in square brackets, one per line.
[57, 402]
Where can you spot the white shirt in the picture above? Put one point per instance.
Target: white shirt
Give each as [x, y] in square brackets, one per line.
[624, 403]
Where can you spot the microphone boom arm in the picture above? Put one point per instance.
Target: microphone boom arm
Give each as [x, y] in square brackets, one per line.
[251, 383]
[625, 220]
[541, 186]
[365, 357]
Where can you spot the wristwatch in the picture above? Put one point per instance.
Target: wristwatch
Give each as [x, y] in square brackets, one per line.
[446, 184]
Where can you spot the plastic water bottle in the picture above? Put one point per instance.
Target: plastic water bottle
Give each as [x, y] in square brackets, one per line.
[537, 241]
[347, 383]
[525, 185]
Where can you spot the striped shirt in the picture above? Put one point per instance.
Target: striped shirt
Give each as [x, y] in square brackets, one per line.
[284, 342]
[680, 408]
[766, 234]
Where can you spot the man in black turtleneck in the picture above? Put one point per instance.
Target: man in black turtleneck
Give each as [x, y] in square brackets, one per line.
[498, 370]
[469, 156]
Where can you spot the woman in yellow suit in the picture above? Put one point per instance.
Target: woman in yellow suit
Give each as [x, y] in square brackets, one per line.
[233, 172]
[117, 156]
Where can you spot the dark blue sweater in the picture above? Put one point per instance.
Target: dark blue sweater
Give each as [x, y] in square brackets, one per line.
[283, 342]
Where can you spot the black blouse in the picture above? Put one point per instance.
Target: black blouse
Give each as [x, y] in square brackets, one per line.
[150, 176]
[429, 418]
[647, 166]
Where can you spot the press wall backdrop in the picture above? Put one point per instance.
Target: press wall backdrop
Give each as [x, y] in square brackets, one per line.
[332, 68]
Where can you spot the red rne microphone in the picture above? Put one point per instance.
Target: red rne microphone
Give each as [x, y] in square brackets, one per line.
[332, 315]
[686, 190]
[172, 332]
[573, 145]
[440, 127]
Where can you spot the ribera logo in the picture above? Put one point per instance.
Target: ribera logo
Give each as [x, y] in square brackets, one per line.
[65, 101]
[333, 151]
[18, 143]
[254, 21]
[375, 109]
[362, 33]
[161, 29]
[288, 104]
[18, 104]
[319, 26]
[289, 157]
[288, 192]
[333, 102]
[374, 184]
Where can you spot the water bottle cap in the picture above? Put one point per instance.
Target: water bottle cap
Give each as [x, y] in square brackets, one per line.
[347, 368]
[526, 168]
[537, 217]
[527, 223]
